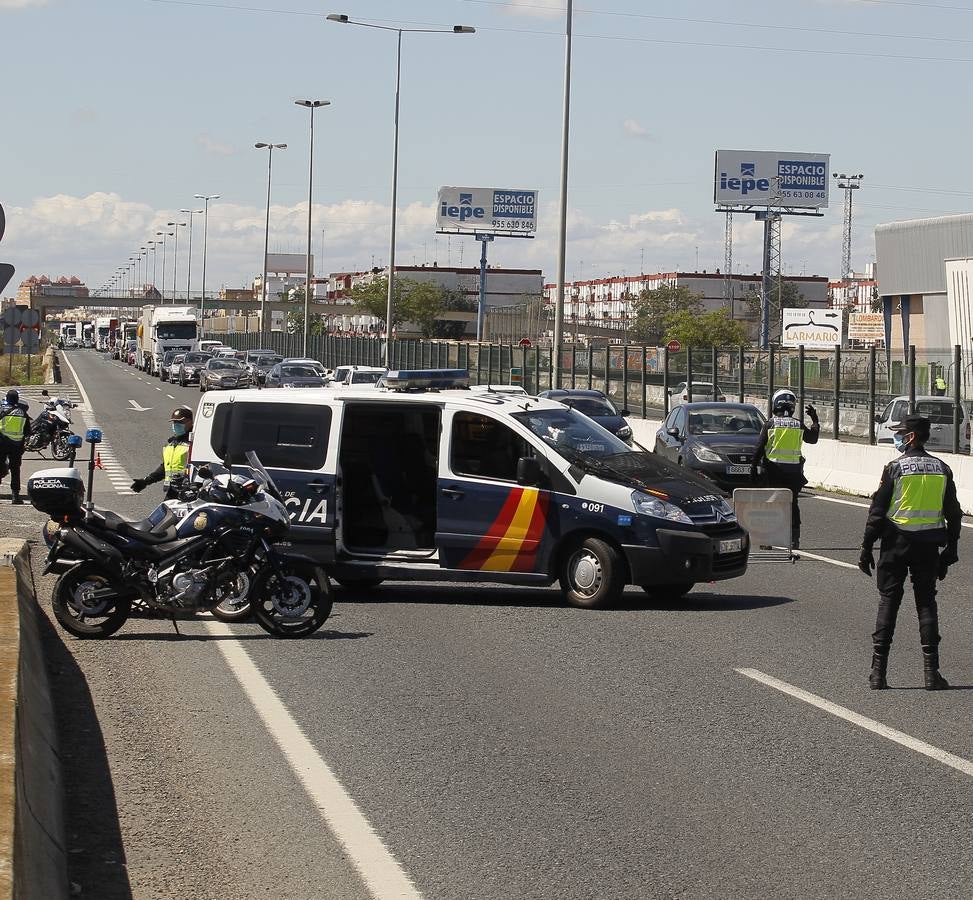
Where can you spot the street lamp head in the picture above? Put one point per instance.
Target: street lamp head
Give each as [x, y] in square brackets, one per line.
[312, 104]
[261, 145]
[464, 29]
[337, 17]
[207, 197]
[280, 146]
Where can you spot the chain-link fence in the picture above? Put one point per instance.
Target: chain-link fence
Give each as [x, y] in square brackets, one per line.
[857, 393]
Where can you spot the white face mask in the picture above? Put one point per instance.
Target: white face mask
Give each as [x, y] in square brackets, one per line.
[900, 440]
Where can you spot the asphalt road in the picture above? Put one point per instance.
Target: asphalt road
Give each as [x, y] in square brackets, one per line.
[500, 744]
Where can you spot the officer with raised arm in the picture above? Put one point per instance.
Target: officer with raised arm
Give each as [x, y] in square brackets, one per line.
[914, 512]
[175, 453]
[779, 449]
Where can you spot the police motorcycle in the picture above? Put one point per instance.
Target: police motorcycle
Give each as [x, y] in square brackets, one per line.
[52, 428]
[177, 565]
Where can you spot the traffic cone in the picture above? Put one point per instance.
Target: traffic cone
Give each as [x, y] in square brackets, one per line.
[98, 464]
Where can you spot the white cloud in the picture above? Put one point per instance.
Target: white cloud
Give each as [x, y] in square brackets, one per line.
[537, 9]
[210, 145]
[633, 128]
[21, 4]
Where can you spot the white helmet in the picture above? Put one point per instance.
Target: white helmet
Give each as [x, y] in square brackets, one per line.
[784, 402]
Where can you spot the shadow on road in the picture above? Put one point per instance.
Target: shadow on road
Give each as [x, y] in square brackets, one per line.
[96, 855]
[323, 635]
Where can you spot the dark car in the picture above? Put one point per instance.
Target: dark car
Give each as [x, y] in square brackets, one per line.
[260, 362]
[717, 440]
[296, 375]
[188, 370]
[595, 405]
[165, 367]
[223, 373]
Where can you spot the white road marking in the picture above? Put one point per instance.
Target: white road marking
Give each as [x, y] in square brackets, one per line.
[899, 737]
[138, 406]
[170, 396]
[864, 505]
[383, 875]
[77, 382]
[835, 562]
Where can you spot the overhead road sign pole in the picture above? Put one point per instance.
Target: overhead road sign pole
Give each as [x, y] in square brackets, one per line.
[484, 239]
[563, 206]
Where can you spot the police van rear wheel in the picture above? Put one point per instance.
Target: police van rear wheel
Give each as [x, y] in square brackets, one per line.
[592, 574]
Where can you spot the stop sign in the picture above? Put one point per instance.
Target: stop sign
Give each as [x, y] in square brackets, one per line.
[673, 346]
[525, 342]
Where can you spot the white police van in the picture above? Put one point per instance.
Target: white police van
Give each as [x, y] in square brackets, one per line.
[427, 480]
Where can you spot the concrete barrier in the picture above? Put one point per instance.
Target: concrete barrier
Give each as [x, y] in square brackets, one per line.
[33, 861]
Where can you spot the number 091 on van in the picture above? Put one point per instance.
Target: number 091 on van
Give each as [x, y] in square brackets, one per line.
[455, 485]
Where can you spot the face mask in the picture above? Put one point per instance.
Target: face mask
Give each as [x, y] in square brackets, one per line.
[178, 429]
[900, 441]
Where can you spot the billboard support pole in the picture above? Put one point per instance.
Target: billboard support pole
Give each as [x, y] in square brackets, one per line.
[563, 223]
[484, 239]
[765, 284]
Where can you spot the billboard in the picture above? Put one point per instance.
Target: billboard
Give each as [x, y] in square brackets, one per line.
[866, 327]
[486, 210]
[815, 329]
[288, 263]
[762, 177]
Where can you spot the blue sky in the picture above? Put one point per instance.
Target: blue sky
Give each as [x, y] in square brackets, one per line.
[118, 111]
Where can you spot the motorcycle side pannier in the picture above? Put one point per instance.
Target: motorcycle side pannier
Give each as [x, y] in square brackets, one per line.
[57, 492]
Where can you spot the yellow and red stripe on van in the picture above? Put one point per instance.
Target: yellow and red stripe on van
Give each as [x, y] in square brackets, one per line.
[512, 541]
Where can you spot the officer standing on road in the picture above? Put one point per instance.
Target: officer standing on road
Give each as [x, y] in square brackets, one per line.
[914, 512]
[175, 454]
[779, 448]
[939, 384]
[14, 427]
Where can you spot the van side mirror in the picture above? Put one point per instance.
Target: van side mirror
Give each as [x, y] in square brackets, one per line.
[879, 420]
[528, 471]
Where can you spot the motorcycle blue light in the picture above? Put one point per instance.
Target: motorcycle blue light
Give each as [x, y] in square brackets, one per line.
[74, 440]
[93, 435]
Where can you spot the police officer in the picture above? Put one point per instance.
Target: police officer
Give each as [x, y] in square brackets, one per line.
[175, 454]
[779, 448]
[914, 512]
[14, 427]
[939, 385]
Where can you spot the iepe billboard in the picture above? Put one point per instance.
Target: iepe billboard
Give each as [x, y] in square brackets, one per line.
[486, 210]
[764, 178]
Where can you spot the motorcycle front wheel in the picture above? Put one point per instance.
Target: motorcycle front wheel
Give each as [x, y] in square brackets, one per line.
[293, 603]
[59, 446]
[234, 605]
[83, 615]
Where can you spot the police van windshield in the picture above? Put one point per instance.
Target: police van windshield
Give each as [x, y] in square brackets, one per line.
[569, 430]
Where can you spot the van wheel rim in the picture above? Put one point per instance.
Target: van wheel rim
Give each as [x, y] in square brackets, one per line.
[586, 572]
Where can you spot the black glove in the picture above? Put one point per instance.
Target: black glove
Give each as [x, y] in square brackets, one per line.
[812, 414]
[866, 562]
[947, 558]
[140, 484]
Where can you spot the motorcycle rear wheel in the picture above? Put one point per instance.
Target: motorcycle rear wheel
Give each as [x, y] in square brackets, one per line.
[235, 605]
[34, 441]
[59, 446]
[77, 613]
[294, 604]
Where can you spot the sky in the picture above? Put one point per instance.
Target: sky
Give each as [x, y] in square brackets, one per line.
[116, 112]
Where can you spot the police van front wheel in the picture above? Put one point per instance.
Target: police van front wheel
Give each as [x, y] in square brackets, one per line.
[593, 574]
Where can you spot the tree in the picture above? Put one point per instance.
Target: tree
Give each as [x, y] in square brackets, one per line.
[710, 329]
[295, 323]
[371, 298]
[451, 329]
[422, 304]
[783, 295]
[653, 307]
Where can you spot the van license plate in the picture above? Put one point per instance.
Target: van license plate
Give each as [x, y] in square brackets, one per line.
[738, 470]
[734, 545]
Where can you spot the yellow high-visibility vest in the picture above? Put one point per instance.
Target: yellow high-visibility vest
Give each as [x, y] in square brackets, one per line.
[175, 460]
[784, 438]
[13, 425]
[917, 500]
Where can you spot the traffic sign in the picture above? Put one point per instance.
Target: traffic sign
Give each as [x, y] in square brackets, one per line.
[673, 346]
[525, 342]
[11, 338]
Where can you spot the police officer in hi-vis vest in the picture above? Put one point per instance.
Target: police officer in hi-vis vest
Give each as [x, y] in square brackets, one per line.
[14, 428]
[779, 449]
[175, 454]
[914, 512]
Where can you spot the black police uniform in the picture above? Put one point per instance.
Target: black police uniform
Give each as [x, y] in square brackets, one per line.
[12, 451]
[910, 545]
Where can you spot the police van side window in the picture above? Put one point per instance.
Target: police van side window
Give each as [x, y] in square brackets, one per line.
[283, 435]
[485, 448]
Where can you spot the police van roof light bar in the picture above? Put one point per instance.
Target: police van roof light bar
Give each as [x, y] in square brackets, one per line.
[427, 379]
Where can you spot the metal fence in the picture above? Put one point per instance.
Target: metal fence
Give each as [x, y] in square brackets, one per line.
[850, 388]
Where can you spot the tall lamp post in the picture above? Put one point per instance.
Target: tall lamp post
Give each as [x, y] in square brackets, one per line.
[308, 274]
[563, 214]
[270, 148]
[189, 264]
[456, 29]
[175, 226]
[202, 298]
[152, 245]
[164, 235]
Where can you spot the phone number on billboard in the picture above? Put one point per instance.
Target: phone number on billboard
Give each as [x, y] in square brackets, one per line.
[804, 195]
[513, 224]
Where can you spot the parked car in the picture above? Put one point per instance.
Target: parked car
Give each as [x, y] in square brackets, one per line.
[165, 367]
[595, 405]
[702, 390]
[209, 346]
[260, 362]
[294, 375]
[939, 411]
[188, 370]
[717, 440]
[357, 376]
[228, 353]
[315, 364]
[222, 373]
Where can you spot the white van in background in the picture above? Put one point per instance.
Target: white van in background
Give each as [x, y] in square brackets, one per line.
[939, 411]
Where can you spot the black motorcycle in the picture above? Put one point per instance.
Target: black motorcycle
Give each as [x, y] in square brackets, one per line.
[52, 428]
[178, 565]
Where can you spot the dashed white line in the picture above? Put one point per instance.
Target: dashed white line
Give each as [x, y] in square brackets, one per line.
[380, 870]
[899, 737]
[835, 562]
[170, 396]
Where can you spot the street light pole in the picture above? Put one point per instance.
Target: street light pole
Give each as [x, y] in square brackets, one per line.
[563, 220]
[202, 298]
[270, 148]
[456, 29]
[163, 235]
[152, 245]
[311, 105]
[175, 254]
[189, 265]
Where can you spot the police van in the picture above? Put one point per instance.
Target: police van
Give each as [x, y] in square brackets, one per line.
[424, 479]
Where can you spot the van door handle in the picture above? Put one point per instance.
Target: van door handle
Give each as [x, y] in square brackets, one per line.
[453, 493]
[318, 486]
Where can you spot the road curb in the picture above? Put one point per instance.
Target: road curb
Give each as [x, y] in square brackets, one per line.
[33, 860]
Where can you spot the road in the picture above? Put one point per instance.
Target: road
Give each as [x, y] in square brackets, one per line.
[499, 744]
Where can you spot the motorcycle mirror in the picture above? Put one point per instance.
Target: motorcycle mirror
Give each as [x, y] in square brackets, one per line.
[44, 392]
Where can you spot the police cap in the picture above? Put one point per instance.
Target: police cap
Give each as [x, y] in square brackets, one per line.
[181, 414]
[918, 425]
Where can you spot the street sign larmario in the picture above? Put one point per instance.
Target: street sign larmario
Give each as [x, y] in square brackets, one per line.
[673, 346]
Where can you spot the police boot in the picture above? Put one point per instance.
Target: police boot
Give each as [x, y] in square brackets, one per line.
[880, 665]
[17, 500]
[930, 665]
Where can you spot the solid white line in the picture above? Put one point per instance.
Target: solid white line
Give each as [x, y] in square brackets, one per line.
[864, 506]
[379, 869]
[77, 382]
[835, 562]
[899, 737]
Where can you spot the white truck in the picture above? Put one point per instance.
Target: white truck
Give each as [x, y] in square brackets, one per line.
[165, 328]
[103, 334]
